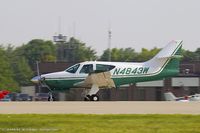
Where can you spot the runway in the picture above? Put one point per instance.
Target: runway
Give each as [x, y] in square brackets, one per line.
[115, 107]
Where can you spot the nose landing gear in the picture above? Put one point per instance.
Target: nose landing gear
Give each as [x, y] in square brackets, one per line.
[51, 98]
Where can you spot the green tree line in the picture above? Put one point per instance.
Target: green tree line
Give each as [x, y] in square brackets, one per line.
[17, 63]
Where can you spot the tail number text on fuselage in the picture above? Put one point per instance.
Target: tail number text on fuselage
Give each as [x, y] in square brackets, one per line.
[131, 71]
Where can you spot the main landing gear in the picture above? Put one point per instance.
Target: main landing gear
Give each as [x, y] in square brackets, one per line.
[91, 98]
[91, 95]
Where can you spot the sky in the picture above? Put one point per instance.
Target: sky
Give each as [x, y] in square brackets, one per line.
[133, 23]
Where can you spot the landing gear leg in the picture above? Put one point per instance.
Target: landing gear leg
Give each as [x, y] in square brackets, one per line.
[92, 94]
[50, 97]
[87, 98]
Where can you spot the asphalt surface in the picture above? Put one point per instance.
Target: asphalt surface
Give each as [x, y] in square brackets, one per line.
[115, 107]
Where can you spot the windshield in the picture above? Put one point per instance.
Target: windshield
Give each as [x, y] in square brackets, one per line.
[73, 68]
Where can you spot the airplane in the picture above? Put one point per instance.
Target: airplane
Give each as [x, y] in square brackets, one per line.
[95, 75]
[169, 96]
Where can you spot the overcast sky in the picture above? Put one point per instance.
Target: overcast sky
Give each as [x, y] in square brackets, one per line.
[134, 23]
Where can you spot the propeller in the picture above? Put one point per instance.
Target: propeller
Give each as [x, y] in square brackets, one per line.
[38, 80]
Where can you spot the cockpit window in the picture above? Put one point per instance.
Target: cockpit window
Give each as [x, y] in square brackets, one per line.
[73, 69]
[87, 68]
[101, 67]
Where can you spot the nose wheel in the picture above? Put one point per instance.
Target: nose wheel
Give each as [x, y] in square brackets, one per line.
[93, 97]
[51, 98]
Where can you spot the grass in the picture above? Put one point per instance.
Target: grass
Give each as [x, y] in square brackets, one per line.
[29, 123]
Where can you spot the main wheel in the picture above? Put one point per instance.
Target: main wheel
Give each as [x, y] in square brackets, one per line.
[94, 98]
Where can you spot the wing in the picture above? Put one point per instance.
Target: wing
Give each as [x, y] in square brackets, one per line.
[101, 79]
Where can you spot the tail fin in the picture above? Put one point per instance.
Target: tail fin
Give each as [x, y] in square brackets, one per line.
[166, 62]
[170, 50]
[169, 96]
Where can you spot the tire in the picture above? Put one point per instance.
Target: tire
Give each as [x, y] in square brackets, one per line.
[49, 99]
[94, 98]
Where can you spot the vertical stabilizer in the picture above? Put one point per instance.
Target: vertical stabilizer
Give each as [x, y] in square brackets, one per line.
[166, 62]
[169, 50]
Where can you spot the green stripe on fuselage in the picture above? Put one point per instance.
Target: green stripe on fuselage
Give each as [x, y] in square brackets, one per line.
[62, 84]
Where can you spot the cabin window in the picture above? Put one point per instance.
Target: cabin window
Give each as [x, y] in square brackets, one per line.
[73, 69]
[87, 68]
[101, 67]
